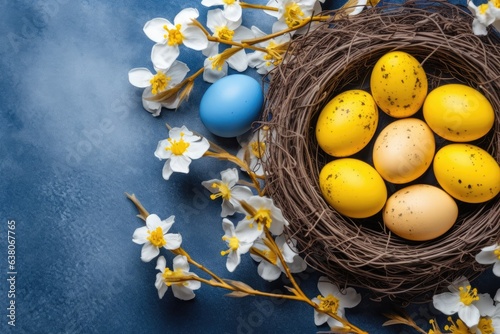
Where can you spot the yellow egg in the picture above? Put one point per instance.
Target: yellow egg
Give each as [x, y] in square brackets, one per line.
[347, 123]
[403, 150]
[458, 112]
[352, 187]
[467, 172]
[420, 212]
[398, 84]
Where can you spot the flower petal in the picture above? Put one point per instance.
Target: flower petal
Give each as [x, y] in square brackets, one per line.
[161, 152]
[182, 292]
[140, 77]
[326, 287]
[149, 252]
[447, 302]
[212, 75]
[174, 241]
[177, 72]
[197, 149]
[195, 38]
[238, 61]
[167, 171]
[150, 106]
[180, 163]
[233, 12]
[163, 55]
[319, 318]
[233, 260]
[350, 298]
[161, 263]
[153, 221]
[185, 16]
[486, 257]
[268, 271]
[140, 235]
[154, 29]
[469, 315]
[496, 269]
[210, 3]
[180, 263]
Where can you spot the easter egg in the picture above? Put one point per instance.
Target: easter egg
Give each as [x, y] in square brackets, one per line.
[467, 172]
[420, 212]
[458, 112]
[347, 123]
[403, 150]
[231, 104]
[352, 187]
[398, 84]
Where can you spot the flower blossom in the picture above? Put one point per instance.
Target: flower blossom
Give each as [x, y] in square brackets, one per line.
[490, 255]
[276, 48]
[156, 83]
[292, 13]
[485, 15]
[182, 288]
[465, 301]
[154, 235]
[179, 149]
[169, 36]
[239, 241]
[270, 267]
[261, 212]
[227, 189]
[254, 151]
[232, 8]
[334, 300]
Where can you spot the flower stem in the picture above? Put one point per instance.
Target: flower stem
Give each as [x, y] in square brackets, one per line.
[255, 6]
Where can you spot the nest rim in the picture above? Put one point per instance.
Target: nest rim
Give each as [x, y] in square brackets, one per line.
[347, 250]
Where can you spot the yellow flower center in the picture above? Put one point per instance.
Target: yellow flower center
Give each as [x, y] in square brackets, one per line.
[495, 3]
[468, 296]
[171, 277]
[486, 326]
[229, 2]
[224, 191]
[233, 243]
[156, 237]
[293, 15]
[258, 148]
[271, 256]
[224, 33]
[263, 217]
[329, 304]
[174, 35]
[497, 253]
[178, 147]
[217, 62]
[483, 8]
[159, 82]
[457, 328]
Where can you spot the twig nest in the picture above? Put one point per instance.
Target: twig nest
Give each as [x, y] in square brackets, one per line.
[338, 56]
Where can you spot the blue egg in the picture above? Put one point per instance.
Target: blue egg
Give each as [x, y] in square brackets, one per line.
[230, 105]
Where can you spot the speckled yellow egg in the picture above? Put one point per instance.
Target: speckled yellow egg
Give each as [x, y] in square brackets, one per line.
[347, 123]
[467, 172]
[398, 84]
[352, 187]
[403, 150]
[458, 112]
[420, 212]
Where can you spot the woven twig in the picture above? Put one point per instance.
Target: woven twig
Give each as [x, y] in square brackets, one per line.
[338, 56]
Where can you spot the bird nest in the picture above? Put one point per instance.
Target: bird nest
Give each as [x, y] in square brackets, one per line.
[336, 56]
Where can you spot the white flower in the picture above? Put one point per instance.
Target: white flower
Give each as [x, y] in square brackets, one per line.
[489, 324]
[465, 301]
[292, 13]
[276, 48]
[270, 267]
[239, 241]
[485, 14]
[154, 236]
[333, 300]
[182, 289]
[224, 29]
[232, 8]
[156, 83]
[254, 151]
[227, 189]
[168, 36]
[216, 66]
[179, 149]
[490, 255]
[261, 212]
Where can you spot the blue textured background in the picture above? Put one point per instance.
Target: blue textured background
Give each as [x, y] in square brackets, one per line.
[74, 138]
